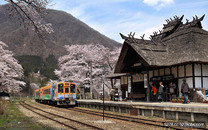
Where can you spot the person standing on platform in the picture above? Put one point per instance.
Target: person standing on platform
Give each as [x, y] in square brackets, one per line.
[120, 94]
[185, 91]
[154, 93]
[116, 95]
[112, 94]
[161, 92]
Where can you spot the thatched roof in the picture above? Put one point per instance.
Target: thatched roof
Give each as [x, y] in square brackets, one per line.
[178, 43]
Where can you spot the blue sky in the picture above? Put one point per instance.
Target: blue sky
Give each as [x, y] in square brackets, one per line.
[111, 17]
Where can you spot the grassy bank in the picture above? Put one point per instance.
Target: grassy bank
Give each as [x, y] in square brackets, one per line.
[12, 118]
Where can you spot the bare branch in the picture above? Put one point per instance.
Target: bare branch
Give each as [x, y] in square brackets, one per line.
[30, 13]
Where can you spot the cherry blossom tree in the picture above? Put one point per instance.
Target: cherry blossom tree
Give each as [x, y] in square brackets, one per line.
[111, 57]
[51, 82]
[75, 66]
[111, 60]
[10, 71]
[30, 12]
[34, 86]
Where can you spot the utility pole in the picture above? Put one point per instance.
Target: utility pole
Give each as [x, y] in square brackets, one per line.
[148, 88]
[103, 95]
[29, 90]
[91, 80]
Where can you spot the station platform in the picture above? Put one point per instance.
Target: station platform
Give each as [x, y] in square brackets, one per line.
[194, 112]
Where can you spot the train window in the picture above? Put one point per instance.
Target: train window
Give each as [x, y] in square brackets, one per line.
[46, 91]
[60, 88]
[66, 90]
[72, 88]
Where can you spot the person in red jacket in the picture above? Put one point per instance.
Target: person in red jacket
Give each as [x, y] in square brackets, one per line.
[154, 93]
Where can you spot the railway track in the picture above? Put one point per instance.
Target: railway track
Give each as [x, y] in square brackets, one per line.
[129, 119]
[159, 124]
[52, 116]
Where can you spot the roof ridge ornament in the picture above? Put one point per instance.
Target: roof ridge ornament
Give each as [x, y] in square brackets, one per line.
[195, 22]
[142, 37]
[122, 36]
[187, 21]
[173, 22]
[131, 35]
[198, 19]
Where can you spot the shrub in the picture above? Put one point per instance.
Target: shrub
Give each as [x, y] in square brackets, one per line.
[3, 106]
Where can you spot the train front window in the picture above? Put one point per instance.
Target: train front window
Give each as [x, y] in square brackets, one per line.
[66, 90]
[72, 88]
[60, 88]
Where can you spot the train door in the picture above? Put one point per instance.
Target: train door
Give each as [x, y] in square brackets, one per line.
[66, 91]
[41, 93]
[53, 92]
[73, 88]
[60, 93]
[72, 91]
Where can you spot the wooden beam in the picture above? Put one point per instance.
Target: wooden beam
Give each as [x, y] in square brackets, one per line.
[177, 72]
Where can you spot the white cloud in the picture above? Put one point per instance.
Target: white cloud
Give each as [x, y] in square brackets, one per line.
[158, 3]
[140, 23]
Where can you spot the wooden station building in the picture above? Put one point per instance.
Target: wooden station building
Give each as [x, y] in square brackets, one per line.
[179, 51]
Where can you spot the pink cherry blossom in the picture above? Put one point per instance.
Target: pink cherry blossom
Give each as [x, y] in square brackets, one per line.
[11, 72]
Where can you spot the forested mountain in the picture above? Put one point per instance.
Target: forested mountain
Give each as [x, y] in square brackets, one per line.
[67, 30]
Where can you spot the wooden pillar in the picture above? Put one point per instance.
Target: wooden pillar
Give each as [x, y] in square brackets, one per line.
[142, 112]
[177, 71]
[152, 112]
[139, 112]
[131, 82]
[193, 73]
[192, 117]
[112, 83]
[202, 77]
[148, 89]
[163, 114]
[179, 91]
[177, 118]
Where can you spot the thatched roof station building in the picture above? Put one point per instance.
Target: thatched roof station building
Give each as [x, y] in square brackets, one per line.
[179, 51]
